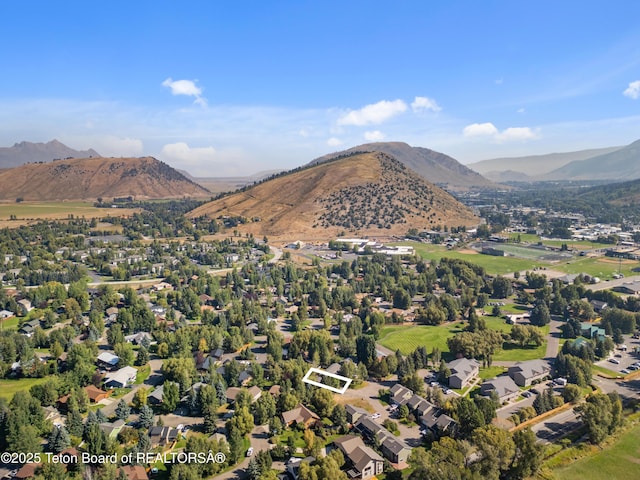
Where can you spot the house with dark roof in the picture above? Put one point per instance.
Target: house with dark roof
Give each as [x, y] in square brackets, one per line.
[504, 387]
[293, 465]
[463, 370]
[155, 397]
[363, 462]
[112, 429]
[300, 414]
[438, 422]
[525, 373]
[162, 435]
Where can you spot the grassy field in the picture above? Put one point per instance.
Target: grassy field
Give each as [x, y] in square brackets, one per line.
[27, 212]
[621, 460]
[491, 372]
[602, 267]
[493, 265]
[408, 338]
[10, 322]
[9, 387]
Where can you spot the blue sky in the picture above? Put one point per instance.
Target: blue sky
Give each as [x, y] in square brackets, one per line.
[233, 88]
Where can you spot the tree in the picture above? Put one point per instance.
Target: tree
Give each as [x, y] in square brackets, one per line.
[145, 419]
[242, 421]
[122, 410]
[601, 414]
[540, 315]
[496, 448]
[501, 287]
[323, 402]
[528, 455]
[366, 349]
[59, 439]
[140, 398]
[143, 357]
[170, 396]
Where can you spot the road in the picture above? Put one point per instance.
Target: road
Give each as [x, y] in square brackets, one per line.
[612, 283]
[277, 254]
[259, 442]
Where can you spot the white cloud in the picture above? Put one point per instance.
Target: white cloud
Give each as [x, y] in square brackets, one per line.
[374, 113]
[425, 103]
[186, 87]
[633, 91]
[374, 136]
[113, 146]
[516, 134]
[521, 110]
[479, 130]
[507, 135]
[186, 155]
[334, 142]
[303, 132]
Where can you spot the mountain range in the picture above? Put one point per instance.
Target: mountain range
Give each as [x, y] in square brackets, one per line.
[368, 193]
[92, 178]
[433, 166]
[613, 163]
[28, 152]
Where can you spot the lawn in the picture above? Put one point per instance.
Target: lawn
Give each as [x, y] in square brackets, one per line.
[10, 322]
[514, 353]
[617, 461]
[408, 338]
[27, 211]
[9, 387]
[143, 374]
[493, 265]
[602, 267]
[491, 372]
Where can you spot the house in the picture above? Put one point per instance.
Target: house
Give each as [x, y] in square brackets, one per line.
[354, 413]
[134, 472]
[245, 377]
[463, 370]
[217, 354]
[232, 393]
[300, 414]
[107, 360]
[592, 331]
[394, 450]
[162, 435]
[632, 288]
[364, 463]
[419, 405]
[27, 328]
[438, 422]
[54, 416]
[24, 306]
[27, 471]
[400, 394]
[112, 429]
[293, 465]
[598, 305]
[138, 338]
[4, 314]
[525, 373]
[155, 397]
[120, 378]
[274, 390]
[504, 387]
[95, 394]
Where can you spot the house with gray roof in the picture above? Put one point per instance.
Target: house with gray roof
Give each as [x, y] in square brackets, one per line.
[504, 387]
[463, 370]
[525, 373]
[354, 413]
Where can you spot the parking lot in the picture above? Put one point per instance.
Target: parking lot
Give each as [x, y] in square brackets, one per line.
[623, 360]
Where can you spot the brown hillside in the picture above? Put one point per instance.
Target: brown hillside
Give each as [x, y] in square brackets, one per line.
[91, 178]
[364, 194]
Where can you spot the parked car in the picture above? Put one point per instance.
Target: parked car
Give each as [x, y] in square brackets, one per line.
[250, 452]
[614, 360]
[526, 394]
[625, 371]
[375, 415]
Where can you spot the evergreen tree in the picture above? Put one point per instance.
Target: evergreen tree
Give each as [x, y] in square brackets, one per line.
[59, 439]
[122, 410]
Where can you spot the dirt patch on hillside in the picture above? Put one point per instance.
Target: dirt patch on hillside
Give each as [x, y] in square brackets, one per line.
[468, 251]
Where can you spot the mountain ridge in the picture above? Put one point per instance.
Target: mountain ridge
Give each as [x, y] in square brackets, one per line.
[29, 152]
[435, 167]
[92, 178]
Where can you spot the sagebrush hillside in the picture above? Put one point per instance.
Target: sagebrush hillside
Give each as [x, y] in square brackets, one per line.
[92, 178]
[364, 194]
